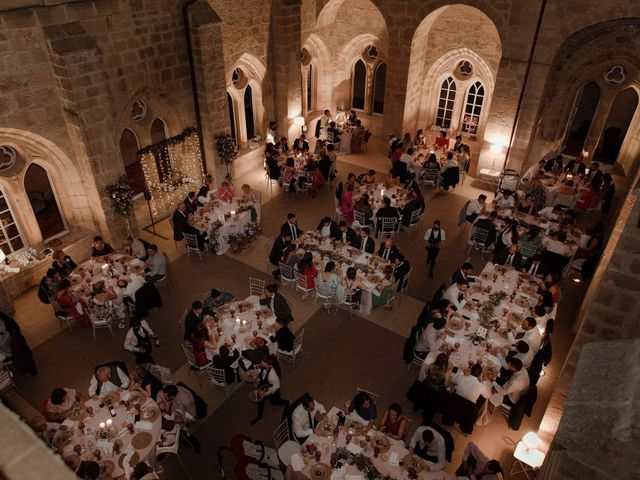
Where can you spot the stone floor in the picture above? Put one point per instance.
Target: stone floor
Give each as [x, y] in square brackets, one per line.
[69, 359]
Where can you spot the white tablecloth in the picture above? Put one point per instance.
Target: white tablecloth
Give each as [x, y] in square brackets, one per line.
[232, 224]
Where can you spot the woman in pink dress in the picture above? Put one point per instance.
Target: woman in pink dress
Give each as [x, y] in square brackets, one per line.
[346, 203]
[225, 192]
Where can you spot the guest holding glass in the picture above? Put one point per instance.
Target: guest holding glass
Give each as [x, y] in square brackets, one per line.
[225, 192]
[363, 407]
[393, 424]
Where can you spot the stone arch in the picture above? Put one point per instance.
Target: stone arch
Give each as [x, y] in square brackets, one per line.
[255, 71]
[436, 48]
[73, 198]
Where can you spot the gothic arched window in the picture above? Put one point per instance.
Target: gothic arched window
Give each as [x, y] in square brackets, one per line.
[359, 86]
[472, 108]
[379, 80]
[446, 100]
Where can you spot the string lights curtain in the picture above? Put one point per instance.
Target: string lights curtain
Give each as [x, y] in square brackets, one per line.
[172, 168]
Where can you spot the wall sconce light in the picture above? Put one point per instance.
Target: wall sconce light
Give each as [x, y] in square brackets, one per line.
[495, 148]
[300, 122]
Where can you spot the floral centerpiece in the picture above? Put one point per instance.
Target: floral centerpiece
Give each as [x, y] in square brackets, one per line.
[361, 462]
[486, 312]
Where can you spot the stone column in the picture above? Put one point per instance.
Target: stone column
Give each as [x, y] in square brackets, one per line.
[206, 41]
[395, 94]
[284, 64]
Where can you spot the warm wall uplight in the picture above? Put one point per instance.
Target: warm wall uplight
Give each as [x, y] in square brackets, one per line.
[299, 121]
[531, 440]
[495, 149]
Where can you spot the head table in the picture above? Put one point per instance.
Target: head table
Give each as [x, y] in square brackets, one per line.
[221, 220]
[93, 433]
[369, 267]
[337, 452]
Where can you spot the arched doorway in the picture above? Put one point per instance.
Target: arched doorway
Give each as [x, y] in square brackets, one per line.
[129, 147]
[616, 127]
[248, 113]
[579, 123]
[44, 202]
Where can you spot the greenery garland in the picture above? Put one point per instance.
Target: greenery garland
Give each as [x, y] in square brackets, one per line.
[175, 140]
[486, 312]
[226, 147]
[363, 463]
[121, 196]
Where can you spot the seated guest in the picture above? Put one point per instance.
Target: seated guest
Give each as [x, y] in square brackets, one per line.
[324, 166]
[393, 424]
[455, 294]
[369, 178]
[283, 337]
[71, 306]
[49, 285]
[225, 360]
[487, 224]
[558, 244]
[438, 374]
[531, 241]
[363, 206]
[134, 247]
[292, 225]
[307, 268]
[145, 382]
[521, 351]
[364, 406]
[463, 273]
[107, 379]
[475, 208]
[155, 265]
[179, 221]
[290, 258]
[143, 471]
[139, 340]
[203, 196]
[102, 295]
[278, 249]
[534, 266]
[225, 192]
[350, 285]
[386, 211]
[327, 282]
[516, 386]
[277, 303]
[388, 251]
[319, 149]
[63, 264]
[100, 248]
[450, 172]
[60, 404]
[217, 298]
[333, 135]
[306, 416]
[301, 144]
[88, 470]
[191, 203]
[273, 167]
[328, 228]
[469, 385]
[257, 352]
[526, 204]
[382, 293]
[192, 319]
[127, 288]
[528, 332]
[346, 234]
[533, 171]
[551, 213]
[431, 337]
[545, 296]
[415, 203]
[202, 238]
[504, 200]
[509, 257]
[428, 444]
[365, 243]
[401, 269]
[200, 342]
[476, 465]
[174, 398]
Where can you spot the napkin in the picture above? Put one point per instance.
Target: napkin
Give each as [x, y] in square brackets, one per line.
[393, 458]
[105, 445]
[144, 425]
[355, 449]
[297, 463]
[353, 477]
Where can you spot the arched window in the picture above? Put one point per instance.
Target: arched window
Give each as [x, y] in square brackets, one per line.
[248, 113]
[579, 123]
[472, 108]
[359, 86]
[310, 89]
[43, 201]
[379, 79]
[232, 116]
[446, 101]
[615, 128]
[163, 159]
[129, 147]
[10, 238]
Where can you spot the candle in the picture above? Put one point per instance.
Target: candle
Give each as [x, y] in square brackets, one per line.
[237, 321]
[233, 212]
[382, 192]
[109, 422]
[244, 323]
[102, 425]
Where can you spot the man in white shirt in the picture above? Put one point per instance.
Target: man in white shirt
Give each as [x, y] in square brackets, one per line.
[475, 208]
[541, 316]
[515, 387]
[551, 213]
[407, 158]
[306, 416]
[532, 171]
[520, 350]
[128, 288]
[455, 294]
[156, 264]
[558, 245]
[504, 200]
[107, 379]
[528, 332]
[325, 119]
[429, 445]
[468, 384]
[134, 247]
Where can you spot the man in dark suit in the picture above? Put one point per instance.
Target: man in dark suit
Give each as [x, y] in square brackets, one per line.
[510, 257]
[534, 266]
[388, 251]
[485, 223]
[283, 337]
[191, 202]
[193, 318]
[462, 274]
[277, 303]
[301, 144]
[324, 165]
[416, 202]
[225, 361]
[202, 238]
[292, 225]
[365, 242]
[328, 228]
[387, 211]
[401, 269]
[346, 234]
[279, 246]
[179, 220]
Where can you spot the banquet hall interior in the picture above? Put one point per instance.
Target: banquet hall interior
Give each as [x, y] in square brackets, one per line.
[195, 197]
